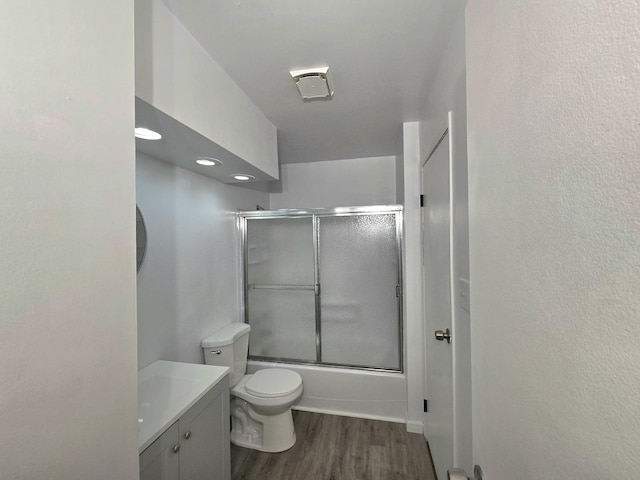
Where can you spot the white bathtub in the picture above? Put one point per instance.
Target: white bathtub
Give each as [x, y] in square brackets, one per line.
[166, 390]
[349, 392]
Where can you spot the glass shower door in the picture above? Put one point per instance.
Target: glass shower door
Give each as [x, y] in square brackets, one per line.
[360, 290]
[280, 288]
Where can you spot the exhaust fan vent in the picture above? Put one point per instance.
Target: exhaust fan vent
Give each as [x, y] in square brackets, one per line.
[313, 83]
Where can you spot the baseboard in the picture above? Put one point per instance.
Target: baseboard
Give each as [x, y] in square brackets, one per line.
[350, 414]
[414, 427]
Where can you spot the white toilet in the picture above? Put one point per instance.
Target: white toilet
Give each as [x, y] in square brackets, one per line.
[260, 403]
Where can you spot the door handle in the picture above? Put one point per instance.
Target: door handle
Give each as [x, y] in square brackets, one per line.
[440, 335]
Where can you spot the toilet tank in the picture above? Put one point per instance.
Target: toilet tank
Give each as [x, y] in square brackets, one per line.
[228, 347]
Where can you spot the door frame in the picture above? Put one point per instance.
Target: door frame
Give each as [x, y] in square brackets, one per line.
[445, 129]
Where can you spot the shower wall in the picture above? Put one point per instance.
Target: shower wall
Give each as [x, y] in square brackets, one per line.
[324, 286]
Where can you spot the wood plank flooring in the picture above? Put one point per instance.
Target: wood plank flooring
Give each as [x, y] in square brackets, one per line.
[330, 447]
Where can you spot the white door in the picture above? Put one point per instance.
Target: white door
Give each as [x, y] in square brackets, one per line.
[436, 271]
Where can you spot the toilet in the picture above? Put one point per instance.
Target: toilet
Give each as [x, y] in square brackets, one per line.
[260, 403]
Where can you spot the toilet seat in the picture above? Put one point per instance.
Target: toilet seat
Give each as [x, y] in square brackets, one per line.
[273, 382]
[263, 399]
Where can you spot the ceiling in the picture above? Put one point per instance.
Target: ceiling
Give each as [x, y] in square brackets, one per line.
[382, 54]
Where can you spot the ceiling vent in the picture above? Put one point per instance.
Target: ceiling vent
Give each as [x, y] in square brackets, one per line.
[313, 83]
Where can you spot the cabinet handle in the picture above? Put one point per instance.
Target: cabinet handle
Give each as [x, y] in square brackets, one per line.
[187, 435]
[176, 448]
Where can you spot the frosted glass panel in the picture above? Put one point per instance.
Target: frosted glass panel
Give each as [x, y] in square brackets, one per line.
[283, 324]
[358, 268]
[280, 265]
[280, 251]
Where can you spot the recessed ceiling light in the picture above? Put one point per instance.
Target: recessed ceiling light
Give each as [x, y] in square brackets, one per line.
[147, 134]
[208, 162]
[242, 177]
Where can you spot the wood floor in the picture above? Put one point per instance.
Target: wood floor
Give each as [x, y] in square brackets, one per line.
[330, 447]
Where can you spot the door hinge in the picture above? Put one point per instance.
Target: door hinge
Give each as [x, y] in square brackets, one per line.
[398, 291]
[422, 200]
[426, 405]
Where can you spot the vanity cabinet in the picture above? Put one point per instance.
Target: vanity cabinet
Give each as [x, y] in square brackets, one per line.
[195, 447]
[158, 461]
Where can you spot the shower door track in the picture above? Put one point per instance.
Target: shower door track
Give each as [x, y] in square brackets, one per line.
[315, 214]
[293, 361]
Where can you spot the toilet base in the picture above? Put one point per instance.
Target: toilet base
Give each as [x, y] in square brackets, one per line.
[265, 433]
[260, 448]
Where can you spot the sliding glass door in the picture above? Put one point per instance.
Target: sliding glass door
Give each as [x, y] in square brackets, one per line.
[280, 288]
[359, 274]
[324, 286]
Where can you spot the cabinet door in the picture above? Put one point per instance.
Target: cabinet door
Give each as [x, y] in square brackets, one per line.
[204, 437]
[158, 461]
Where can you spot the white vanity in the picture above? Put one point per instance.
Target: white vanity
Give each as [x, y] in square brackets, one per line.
[183, 422]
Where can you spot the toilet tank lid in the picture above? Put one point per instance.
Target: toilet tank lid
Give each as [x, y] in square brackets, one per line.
[226, 335]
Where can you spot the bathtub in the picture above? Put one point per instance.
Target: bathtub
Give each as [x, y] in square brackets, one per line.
[346, 391]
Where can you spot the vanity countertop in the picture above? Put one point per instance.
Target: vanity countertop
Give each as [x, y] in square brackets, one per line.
[166, 390]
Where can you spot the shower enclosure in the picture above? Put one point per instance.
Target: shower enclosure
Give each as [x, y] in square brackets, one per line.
[323, 286]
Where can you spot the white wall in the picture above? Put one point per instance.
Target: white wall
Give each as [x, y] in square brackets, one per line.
[399, 179]
[67, 269]
[554, 237]
[412, 269]
[337, 183]
[448, 93]
[188, 285]
[176, 75]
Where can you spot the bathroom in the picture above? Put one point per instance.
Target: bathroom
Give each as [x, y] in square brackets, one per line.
[103, 317]
[191, 282]
[548, 253]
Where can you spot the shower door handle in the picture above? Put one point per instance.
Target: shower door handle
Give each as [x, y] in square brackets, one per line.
[440, 335]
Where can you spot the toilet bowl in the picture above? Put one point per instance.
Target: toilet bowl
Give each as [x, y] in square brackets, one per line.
[265, 398]
[261, 402]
